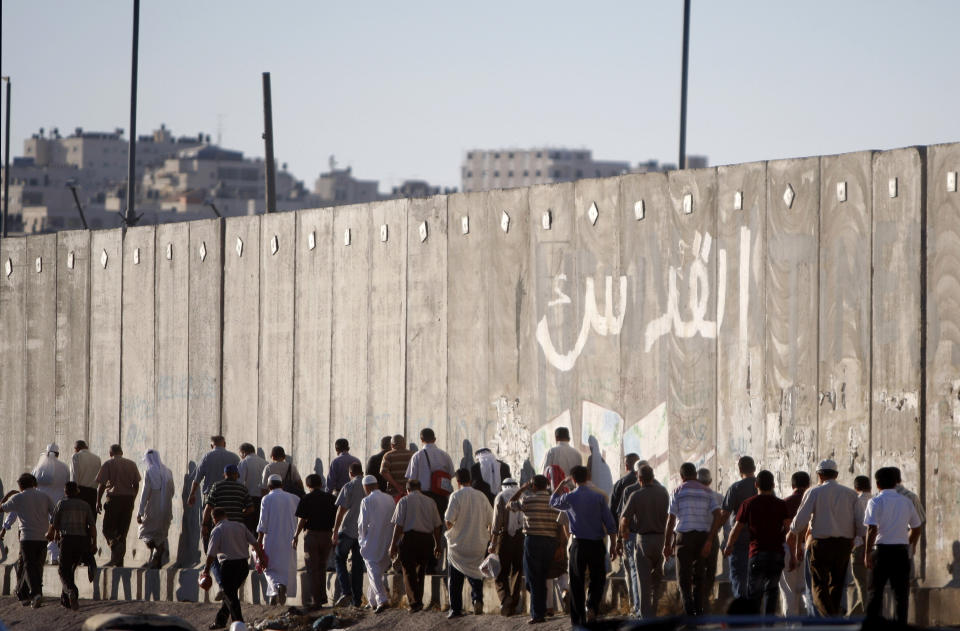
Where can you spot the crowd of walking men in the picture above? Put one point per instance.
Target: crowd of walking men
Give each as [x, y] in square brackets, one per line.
[553, 535]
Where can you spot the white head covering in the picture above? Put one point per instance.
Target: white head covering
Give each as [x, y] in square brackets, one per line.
[489, 469]
[157, 475]
[46, 466]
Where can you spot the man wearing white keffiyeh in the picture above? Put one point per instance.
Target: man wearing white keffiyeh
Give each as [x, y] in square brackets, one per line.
[52, 475]
[156, 507]
[487, 473]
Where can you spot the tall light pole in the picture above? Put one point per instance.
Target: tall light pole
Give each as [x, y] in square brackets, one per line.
[130, 218]
[682, 160]
[268, 140]
[6, 164]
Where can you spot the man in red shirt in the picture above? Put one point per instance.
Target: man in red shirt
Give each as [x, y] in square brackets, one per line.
[766, 517]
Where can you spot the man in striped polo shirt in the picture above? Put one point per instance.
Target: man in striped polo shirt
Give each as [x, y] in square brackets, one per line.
[232, 496]
[540, 540]
[695, 517]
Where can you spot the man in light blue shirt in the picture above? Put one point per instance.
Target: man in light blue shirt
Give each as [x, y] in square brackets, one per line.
[590, 521]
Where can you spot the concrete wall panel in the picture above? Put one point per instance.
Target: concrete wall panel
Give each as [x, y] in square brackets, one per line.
[313, 310]
[846, 191]
[426, 337]
[13, 377]
[695, 259]
[556, 292]
[792, 296]
[741, 214]
[277, 290]
[41, 344]
[897, 299]
[387, 315]
[468, 330]
[73, 336]
[508, 315]
[139, 428]
[644, 368]
[172, 269]
[241, 331]
[597, 210]
[351, 295]
[940, 479]
[106, 278]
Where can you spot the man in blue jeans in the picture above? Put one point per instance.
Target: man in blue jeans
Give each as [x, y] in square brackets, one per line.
[590, 523]
[532, 500]
[737, 493]
[346, 538]
[766, 517]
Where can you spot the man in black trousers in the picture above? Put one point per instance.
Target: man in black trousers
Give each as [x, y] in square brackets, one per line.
[228, 545]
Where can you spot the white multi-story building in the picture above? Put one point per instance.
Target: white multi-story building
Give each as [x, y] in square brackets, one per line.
[508, 168]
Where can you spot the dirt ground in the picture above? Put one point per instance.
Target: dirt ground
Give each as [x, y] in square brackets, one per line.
[51, 616]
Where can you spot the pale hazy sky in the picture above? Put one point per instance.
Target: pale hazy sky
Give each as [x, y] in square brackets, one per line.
[401, 89]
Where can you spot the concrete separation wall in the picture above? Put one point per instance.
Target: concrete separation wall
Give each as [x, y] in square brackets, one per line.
[791, 310]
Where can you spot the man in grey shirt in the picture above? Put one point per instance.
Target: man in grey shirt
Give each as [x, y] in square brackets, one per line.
[346, 538]
[737, 493]
[210, 469]
[645, 517]
[33, 510]
[84, 467]
[228, 546]
[251, 475]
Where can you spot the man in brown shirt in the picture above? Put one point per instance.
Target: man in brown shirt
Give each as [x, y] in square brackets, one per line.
[393, 467]
[120, 479]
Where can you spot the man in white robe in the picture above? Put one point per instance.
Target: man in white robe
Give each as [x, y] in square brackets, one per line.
[52, 475]
[375, 531]
[468, 532]
[156, 508]
[278, 522]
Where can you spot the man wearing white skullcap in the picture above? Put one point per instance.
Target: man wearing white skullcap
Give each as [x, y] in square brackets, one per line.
[278, 522]
[375, 531]
[52, 475]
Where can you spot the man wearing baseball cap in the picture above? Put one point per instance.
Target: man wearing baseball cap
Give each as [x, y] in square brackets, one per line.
[832, 512]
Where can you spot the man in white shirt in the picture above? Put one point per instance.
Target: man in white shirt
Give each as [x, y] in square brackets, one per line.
[561, 455]
[468, 531]
[893, 525]
[427, 460]
[375, 532]
[832, 513]
[84, 467]
[251, 468]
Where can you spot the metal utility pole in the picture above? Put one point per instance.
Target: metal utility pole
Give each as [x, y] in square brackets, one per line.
[682, 160]
[131, 218]
[6, 165]
[268, 141]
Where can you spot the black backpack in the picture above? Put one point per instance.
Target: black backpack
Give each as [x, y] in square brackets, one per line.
[290, 485]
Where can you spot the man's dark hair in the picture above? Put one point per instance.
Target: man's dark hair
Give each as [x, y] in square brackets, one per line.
[899, 477]
[247, 448]
[413, 484]
[886, 478]
[356, 469]
[800, 480]
[427, 435]
[765, 480]
[746, 465]
[80, 444]
[277, 453]
[646, 474]
[540, 482]
[71, 489]
[218, 440]
[313, 481]
[219, 512]
[561, 433]
[115, 450]
[630, 460]
[398, 440]
[861, 483]
[579, 473]
[341, 444]
[463, 476]
[385, 443]
[688, 471]
[828, 474]
[26, 481]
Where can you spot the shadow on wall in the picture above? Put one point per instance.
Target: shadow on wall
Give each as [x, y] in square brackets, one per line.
[954, 566]
[467, 461]
[188, 546]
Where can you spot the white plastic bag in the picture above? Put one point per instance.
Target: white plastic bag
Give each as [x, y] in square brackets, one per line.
[490, 567]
